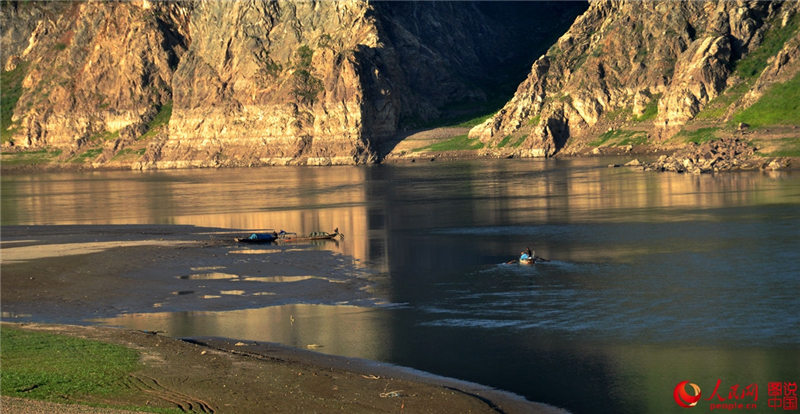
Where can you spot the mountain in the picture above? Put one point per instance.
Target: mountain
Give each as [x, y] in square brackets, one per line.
[659, 74]
[146, 84]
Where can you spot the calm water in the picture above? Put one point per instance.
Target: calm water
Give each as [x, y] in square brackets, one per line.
[654, 278]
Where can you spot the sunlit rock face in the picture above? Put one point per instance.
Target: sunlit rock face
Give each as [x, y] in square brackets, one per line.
[621, 57]
[213, 83]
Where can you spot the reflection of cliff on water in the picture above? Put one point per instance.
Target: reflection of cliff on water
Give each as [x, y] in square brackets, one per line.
[370, 205]
[295, 199]
[337, 330]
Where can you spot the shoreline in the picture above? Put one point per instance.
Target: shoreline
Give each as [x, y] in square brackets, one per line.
[60, 278]
[229, 376]
[405, 157]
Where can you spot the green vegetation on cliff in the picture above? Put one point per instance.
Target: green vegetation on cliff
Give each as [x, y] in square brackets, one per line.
[158, 122]
[780, 105]
[306, 86]
[650, 110]
[698, 136]
[30, 158]
[458, 143]
[774, 39]
[620, 137]
[11, 84]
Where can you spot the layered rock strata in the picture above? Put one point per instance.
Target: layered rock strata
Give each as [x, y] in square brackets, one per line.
[644, 66]
[253, 82]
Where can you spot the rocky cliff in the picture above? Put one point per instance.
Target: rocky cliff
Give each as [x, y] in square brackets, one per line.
[251, 82]
[655, 73]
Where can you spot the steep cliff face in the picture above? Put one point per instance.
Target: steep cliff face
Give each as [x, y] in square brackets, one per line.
[255, 82]
[638, 72]
[90, 68]
[269, 82]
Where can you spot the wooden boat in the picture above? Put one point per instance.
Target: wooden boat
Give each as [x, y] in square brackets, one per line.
[258, 238]
[317, 235]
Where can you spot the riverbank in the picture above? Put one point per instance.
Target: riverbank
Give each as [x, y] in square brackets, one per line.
[69, 275]
[452, 144]
[229, 376]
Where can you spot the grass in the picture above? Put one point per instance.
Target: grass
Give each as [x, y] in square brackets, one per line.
[619, 137]
[457, 143]
[30, 157]
[466, 114]
[650, 110]
[158, 122]
[64, 369]
[619, 114]
[698, 136]
[780, 105]
[782, 147]
[10, 91]
[86, 155]
[472, 122]
[506, 139]
[535, 120]
[754, 63]
[45, 366]
[717, 108]
[128, 153]
[106, 136]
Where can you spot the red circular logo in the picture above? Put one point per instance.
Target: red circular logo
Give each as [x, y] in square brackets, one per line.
[683, 398]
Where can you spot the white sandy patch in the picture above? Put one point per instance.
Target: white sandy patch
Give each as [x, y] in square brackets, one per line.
[40, 251]
[205, 268]
[265, 251]
[210, 276]
[5, 243]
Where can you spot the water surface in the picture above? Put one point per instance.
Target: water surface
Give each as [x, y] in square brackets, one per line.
[653, 279]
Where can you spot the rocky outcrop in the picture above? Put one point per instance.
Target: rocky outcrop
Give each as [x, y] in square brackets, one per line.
[644, 66]
[255, 82]
[714, 156]
[91, 68]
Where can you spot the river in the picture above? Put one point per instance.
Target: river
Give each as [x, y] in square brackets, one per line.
[653, 279]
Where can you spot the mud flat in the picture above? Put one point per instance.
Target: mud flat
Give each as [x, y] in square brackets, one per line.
[68, 275]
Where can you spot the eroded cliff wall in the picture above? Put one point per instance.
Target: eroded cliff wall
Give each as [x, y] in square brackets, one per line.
[252, 82]
[640, 71]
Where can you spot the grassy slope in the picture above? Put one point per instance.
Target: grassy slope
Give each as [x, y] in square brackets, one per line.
[780, 105]
[46, 366]
[61, 368]
[458, 143]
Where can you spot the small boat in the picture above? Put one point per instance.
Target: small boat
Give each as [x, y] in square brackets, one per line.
[316, 235]
[258, 238]
[528, 260]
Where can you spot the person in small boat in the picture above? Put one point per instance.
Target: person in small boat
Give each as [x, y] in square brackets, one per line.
[526, 254]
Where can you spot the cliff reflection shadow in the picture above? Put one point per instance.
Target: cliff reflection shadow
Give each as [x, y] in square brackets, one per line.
[337, 330]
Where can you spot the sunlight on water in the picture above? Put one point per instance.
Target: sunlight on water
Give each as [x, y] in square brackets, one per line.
[339, 330]
[652, 279]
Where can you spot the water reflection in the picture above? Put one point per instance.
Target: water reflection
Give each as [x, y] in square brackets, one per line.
[337, 330]
[654, 279]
